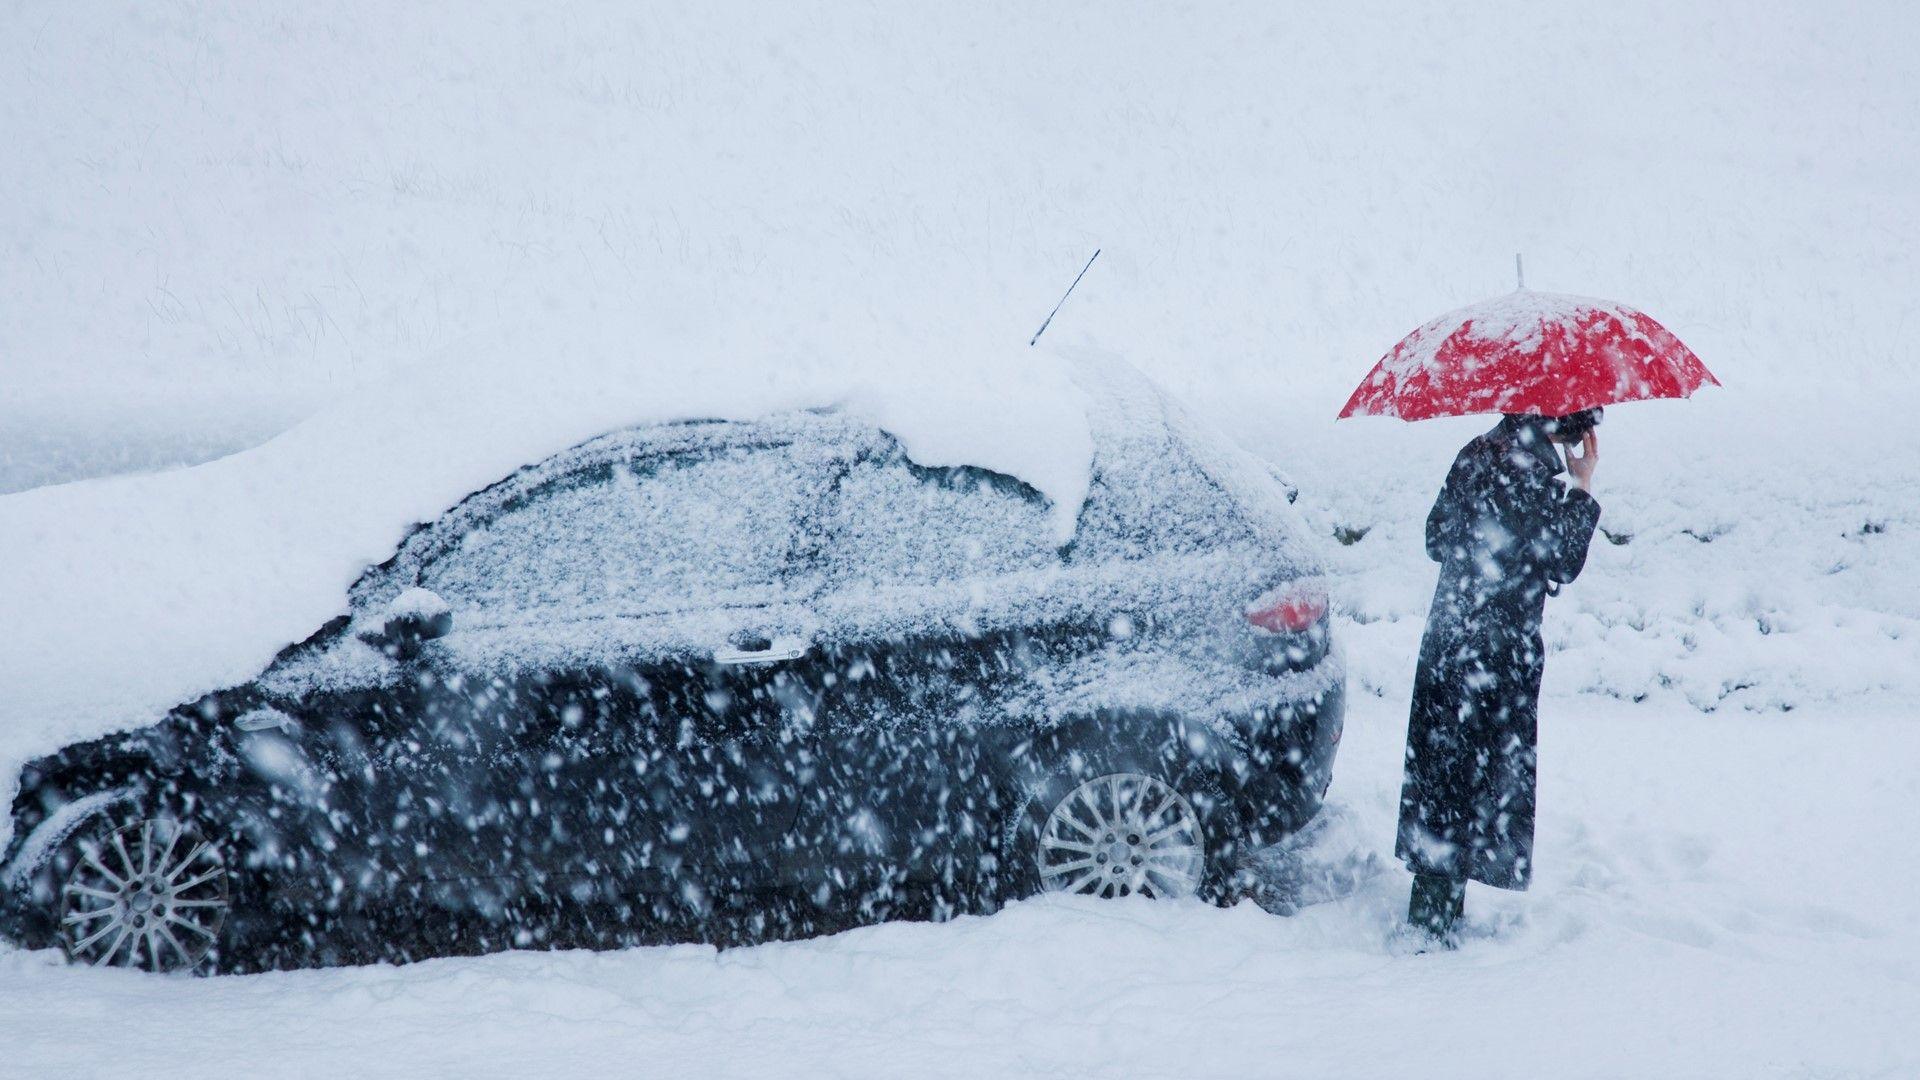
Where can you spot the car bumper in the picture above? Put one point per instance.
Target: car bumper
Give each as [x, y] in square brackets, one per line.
[1274, 785]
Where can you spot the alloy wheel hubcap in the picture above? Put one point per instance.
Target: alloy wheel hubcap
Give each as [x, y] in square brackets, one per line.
[152, 895]
[1120, 835]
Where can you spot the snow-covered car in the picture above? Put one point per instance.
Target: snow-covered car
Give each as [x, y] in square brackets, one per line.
[723, 680]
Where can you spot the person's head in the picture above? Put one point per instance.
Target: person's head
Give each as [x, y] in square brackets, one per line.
[1573, 427]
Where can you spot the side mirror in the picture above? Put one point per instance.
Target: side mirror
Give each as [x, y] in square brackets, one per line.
[1286, 482]
[415, 616]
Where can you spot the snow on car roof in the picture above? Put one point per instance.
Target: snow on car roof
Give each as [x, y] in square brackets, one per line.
[125, 596]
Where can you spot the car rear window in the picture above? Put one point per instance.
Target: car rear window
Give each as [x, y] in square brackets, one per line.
[669, 532]
[1148, 497]
[892, 522]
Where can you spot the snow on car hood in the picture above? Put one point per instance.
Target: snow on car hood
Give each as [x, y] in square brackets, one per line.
[125, 596]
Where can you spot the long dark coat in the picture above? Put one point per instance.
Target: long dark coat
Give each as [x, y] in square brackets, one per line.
[1506, 533]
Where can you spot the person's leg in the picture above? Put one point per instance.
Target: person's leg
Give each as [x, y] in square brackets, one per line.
[1435, 903]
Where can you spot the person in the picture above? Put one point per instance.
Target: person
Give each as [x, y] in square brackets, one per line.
[1506, 533]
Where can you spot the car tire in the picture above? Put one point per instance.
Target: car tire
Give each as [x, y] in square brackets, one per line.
[1122, 834]
[1078, 764]
[152, 893]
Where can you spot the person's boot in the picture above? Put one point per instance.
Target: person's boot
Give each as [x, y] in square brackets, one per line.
[1435, 904]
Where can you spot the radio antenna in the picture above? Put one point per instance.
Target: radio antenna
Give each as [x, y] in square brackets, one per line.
[1063, 298]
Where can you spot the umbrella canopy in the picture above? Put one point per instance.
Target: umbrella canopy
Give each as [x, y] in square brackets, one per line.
[1529, 352]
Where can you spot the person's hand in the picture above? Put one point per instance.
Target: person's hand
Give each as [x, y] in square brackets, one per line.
[1581, 467]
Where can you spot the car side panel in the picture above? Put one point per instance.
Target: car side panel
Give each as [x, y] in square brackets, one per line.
[905, 754]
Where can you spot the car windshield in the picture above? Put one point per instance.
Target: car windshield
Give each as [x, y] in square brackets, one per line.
[662, 533]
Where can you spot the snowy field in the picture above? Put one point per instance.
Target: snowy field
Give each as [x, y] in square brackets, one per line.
[1709, 904]
[281, 279]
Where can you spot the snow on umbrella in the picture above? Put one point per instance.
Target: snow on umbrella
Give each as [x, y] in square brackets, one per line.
[1529, 352]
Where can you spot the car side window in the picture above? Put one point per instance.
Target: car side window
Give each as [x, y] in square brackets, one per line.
[708, 528]
[892, 522]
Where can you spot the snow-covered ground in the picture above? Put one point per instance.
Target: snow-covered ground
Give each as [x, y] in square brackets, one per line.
[1722, 896]
[370, 257]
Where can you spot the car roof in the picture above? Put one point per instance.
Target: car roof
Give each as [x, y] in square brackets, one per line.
[1158, 478]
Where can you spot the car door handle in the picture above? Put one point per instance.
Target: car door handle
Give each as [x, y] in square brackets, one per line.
[266, 719]
[776, 653]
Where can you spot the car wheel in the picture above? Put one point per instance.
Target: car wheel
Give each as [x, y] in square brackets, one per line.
[150, 894]
[1123, 834]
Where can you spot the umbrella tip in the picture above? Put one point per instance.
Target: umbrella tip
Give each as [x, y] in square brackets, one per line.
[1519, 273]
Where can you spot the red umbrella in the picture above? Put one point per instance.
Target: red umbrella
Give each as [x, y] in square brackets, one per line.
[1529, 352]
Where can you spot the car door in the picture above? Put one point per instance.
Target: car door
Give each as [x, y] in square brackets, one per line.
[646, 609]
[925, 571]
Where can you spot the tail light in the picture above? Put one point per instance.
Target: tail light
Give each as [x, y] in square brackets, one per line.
[1290, 609]
[1291, 627]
